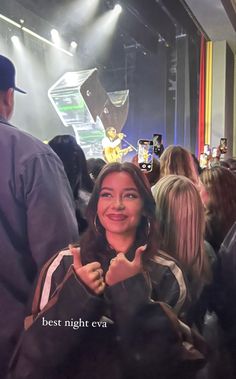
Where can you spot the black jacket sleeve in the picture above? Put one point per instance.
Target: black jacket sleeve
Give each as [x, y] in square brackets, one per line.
[47, 343]
[150, 335]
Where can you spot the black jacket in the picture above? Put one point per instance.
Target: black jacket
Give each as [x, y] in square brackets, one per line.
[123, 334]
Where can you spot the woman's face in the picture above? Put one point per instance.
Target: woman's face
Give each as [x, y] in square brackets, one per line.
[120, 206]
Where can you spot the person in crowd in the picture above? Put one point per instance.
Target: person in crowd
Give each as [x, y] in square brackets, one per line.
[75, 165]
[111, 277]
[220, 184]
[152, 176]
[180, 214]
[37, 215]
[177, 160]
[232, 164]
[94, 167]
[197, 164]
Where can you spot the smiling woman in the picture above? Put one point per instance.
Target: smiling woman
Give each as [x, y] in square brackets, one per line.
[115, 278]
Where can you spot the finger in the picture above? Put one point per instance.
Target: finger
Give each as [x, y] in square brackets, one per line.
[138, 254]
[96, 275]
[93, 266]
[120, 257]
[96, 284]
[99, 272]
[112, 261]
[75, 251]
[100, 289]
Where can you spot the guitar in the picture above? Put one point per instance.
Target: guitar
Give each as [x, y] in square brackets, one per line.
[115, 154]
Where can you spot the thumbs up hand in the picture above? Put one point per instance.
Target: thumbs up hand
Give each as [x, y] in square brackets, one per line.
[121, 268]
[91, 274]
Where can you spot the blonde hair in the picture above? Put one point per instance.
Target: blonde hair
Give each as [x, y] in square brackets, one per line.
[180, 214]
[177, 160]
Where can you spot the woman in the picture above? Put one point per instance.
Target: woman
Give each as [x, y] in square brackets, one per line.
[220, 185]
[180, 214]
[75, 165]
[176, 160]
[102, 290]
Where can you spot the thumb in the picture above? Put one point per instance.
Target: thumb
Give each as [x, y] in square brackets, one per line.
[75, 251]
[138, 254]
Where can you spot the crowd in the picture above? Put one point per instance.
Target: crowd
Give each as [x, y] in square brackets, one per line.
[107, 271]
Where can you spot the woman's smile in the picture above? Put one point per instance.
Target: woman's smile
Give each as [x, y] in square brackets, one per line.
[117, 217]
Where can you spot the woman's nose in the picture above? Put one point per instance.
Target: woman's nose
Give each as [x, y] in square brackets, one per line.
[118, 203]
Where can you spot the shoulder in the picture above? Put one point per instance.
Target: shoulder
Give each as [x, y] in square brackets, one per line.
[169, 281]
[52, 276]
[23, 145]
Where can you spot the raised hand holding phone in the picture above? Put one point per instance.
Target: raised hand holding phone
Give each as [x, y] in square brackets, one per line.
[121, 268]
[91, 274]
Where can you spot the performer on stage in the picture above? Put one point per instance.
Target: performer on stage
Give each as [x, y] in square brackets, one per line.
[111, 146]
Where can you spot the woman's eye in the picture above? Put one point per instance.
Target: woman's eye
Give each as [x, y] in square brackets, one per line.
[105, 194]
[131, 196]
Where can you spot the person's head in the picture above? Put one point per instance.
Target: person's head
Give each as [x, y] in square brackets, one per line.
[74, 161]
[111, 132]
[94, 167]
[7, 87]
[176, 160]
[220, 184]
[180, 214]
[232, 164]
[122, 203]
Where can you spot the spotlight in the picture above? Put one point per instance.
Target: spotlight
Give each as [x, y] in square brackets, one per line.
[55, 36]
[15, 40]
[73, 44]
[118, 8]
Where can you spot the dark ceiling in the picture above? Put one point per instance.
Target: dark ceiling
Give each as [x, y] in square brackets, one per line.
[147, 21]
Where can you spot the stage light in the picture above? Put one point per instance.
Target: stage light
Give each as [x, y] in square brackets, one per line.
[73, 45]
[55, 36]
[15, 40]
[46, 41]
[118, 8]
[20, 26]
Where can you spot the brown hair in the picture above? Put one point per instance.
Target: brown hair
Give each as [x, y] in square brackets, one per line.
[220, 184]
[178, 161]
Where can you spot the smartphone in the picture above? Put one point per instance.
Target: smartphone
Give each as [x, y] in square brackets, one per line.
[203, 160]
[214, 151]
[145, 155]
[207, 149]
[223, 145]
[157, 144]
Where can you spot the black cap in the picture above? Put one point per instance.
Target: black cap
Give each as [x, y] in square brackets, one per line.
[7, 75]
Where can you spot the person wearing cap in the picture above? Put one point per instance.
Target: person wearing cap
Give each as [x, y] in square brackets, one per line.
[37, 214]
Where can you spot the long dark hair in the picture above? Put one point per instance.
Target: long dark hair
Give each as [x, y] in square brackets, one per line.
[220, 184]
[74, 161]
[94, 239]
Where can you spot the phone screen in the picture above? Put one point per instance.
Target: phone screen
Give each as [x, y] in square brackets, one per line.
[157, 144]
[145, 154]
[207, 149]
[214, 152]
[223, 145]
[203, 160]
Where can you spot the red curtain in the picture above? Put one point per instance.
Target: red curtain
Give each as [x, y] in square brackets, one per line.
[201, 110]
